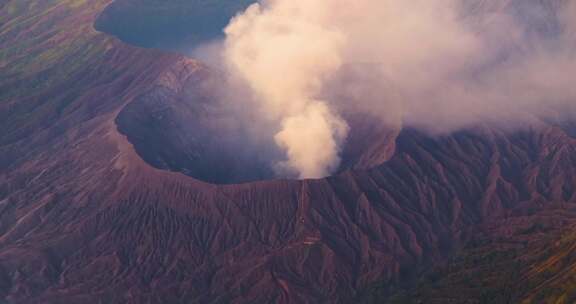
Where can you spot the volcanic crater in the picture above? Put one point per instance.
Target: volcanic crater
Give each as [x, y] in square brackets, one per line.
[182, 125]
[81, 221]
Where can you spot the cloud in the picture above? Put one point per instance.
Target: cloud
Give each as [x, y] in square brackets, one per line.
[439, 65]
[285, 53]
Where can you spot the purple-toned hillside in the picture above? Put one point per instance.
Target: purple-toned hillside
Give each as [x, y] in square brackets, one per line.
[116, 188]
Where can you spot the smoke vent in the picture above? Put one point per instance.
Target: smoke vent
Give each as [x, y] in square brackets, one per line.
[186, 128]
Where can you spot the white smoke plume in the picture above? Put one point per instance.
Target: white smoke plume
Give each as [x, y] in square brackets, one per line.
[435, 64]
[286, 52]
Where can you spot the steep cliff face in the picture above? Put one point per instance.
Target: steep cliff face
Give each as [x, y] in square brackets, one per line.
[85, 218]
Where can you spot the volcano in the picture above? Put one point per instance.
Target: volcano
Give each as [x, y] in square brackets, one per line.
[116, 188]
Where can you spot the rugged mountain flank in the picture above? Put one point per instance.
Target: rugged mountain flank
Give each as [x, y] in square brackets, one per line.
[85, 218]
[525, 258]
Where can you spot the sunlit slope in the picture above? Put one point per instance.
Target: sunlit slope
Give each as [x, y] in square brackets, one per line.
[45, 47]
[51, 61]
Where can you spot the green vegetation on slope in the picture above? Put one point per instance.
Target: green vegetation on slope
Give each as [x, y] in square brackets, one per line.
[46, 46]
[529, 258]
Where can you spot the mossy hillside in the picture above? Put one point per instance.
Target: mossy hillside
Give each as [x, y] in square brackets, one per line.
[38, 35]
[536, 263]
[48, 48]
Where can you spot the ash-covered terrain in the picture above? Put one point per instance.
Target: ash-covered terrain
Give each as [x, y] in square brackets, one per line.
[123, 180]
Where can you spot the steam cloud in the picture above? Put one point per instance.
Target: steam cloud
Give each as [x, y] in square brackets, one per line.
[439, 65]
[286, 53]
